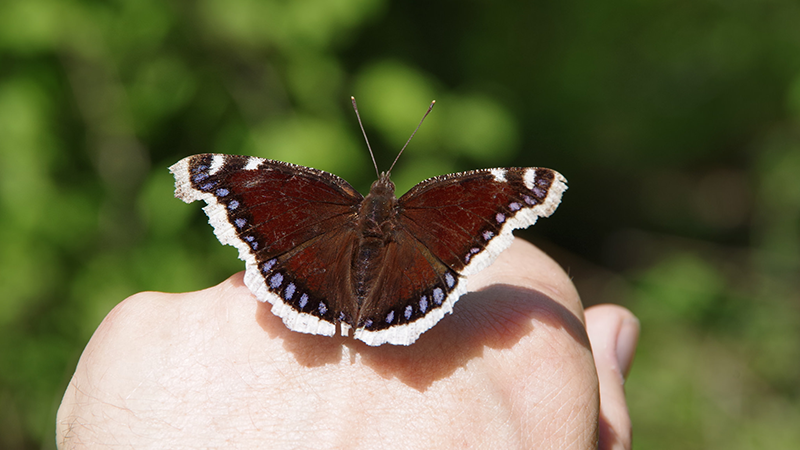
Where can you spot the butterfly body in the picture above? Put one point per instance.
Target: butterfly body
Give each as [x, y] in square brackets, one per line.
[376, 226]
[331, 260]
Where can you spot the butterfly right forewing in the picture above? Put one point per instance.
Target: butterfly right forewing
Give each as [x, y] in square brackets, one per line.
[466, 219]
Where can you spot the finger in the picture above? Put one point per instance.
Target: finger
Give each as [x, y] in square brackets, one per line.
[613, 332]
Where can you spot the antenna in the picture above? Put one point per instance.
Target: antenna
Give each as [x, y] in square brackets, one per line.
[412, 135]
[355, 107]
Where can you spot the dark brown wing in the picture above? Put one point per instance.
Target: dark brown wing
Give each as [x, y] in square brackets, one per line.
[449, 227]
[292, 225]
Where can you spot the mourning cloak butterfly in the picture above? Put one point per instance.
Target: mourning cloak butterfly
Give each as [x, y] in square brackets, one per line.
[325, 256]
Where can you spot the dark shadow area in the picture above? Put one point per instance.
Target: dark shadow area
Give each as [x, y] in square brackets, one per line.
[496, 317]
[309, 350]
[607, 438]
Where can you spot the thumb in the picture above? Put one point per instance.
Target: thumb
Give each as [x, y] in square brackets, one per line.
[613, 332]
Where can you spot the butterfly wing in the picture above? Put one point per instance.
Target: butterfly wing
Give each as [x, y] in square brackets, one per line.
[294, 227]
[449, 227]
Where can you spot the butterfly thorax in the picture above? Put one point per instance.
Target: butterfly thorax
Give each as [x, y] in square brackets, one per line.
[376, 229]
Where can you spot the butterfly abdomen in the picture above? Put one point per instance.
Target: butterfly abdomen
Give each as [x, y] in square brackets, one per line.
[375, 231]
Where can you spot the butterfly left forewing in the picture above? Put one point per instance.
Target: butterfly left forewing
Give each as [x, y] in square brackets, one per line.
[290, 224]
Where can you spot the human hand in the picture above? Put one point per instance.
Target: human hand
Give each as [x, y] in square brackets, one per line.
[511, 368]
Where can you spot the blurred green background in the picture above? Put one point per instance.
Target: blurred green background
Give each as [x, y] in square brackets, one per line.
[677, 124]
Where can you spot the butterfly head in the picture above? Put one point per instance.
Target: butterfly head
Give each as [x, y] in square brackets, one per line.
[383, 186]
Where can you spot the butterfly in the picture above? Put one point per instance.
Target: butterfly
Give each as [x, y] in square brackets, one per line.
[385, 269]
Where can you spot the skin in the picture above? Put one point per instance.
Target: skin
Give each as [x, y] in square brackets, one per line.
[511, 368]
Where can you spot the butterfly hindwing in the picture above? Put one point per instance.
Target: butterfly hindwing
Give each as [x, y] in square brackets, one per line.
[413, 291]
[312, 282]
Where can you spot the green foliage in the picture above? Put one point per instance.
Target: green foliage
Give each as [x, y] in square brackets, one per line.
[677, 124]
